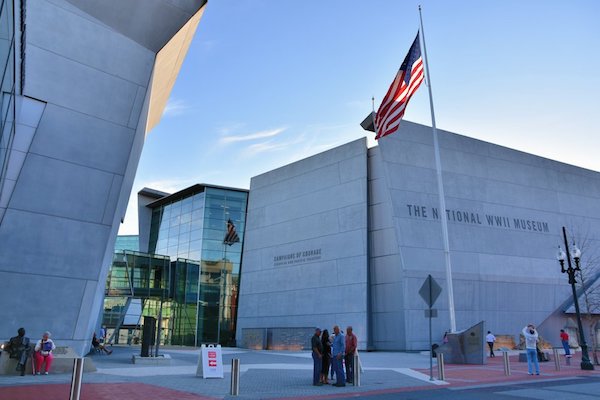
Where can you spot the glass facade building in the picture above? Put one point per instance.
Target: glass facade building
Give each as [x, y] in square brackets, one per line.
[192, 229]
[127, 242]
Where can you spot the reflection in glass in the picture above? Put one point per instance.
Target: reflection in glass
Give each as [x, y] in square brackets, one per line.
[198, 289]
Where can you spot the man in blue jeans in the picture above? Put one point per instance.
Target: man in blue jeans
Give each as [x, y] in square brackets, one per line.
[531, 339]
[317, 355]
[337, 355]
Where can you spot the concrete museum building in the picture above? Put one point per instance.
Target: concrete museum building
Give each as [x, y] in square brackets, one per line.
[349, 235]
[82, 84]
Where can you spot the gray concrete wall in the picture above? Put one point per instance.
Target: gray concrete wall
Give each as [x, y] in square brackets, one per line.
[77, 162]
[305, 251]
[512, 206]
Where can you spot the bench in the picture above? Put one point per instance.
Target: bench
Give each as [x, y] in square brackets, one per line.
[61, 363]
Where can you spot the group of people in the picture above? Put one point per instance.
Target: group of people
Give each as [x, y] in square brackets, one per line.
[19, 348]
[531, 346]
[333, 350]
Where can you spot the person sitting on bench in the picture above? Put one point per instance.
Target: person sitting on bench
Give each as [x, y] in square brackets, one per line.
[19, 348]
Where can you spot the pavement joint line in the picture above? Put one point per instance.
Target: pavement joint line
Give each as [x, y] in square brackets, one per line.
[419, 375]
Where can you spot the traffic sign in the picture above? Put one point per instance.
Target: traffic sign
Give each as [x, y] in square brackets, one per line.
[430, 291]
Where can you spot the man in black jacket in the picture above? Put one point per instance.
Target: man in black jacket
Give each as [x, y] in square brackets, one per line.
[317, 355]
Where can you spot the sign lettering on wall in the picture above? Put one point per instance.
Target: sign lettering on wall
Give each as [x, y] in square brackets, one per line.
[475, 218]
[297, 257]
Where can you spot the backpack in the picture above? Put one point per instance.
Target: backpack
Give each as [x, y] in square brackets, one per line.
[46, 347]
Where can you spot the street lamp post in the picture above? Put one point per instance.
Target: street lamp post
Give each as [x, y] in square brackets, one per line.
[585, 359]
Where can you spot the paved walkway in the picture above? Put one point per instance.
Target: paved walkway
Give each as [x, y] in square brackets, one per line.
[267, 375]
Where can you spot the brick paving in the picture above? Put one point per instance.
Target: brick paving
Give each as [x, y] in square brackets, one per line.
[493, 371]
[96, 391]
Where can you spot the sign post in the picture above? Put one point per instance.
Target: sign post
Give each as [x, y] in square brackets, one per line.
[430, 291]
[210, 364]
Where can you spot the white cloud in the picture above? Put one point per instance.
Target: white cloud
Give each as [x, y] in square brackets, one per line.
[251, 136]
[176, 107]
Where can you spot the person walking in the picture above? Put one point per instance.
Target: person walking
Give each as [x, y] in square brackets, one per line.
[317, 355]
[564, 339]
[43, 353]
[337, 354]
[351, 344]
[531, 339]
[490, 339]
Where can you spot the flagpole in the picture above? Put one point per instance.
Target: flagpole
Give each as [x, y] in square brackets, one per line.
[442, 211]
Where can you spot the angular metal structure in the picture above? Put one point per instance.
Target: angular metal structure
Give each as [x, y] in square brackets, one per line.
[84, 82]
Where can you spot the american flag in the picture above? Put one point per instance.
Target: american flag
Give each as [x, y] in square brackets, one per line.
[231, 237]
[407, 81]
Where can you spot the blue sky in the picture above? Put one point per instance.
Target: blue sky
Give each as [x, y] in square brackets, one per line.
[269, 82]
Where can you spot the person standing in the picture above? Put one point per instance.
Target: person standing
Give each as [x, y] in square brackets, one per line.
[564, 339]
[326, 357]
[332, 369]
[337, 353]
[351, 344]
[317, 355]
[490, 339]
[18, 347]
[43, 353]
[531, 339]
[103, 334]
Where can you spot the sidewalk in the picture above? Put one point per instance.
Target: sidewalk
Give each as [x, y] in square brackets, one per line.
[267, 375]
[493, 371]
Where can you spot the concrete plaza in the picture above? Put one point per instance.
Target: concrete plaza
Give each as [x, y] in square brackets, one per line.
[269, 374]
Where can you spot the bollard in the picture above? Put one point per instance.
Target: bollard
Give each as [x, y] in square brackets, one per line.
[235, 377]
[76, 379]
[556, 360]
[568, 360]
[356, 371]
[441, 371]
[506, 363]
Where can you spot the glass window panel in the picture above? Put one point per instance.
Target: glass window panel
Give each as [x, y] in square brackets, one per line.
[197, 224]
[174, 232]
[215, 234]
[213, 245]
[175, 220]
[214, 213]
[241, 196]
[196, 245]
[186, 217]
[194, 254]
[197, 201]
[212, 223]
[176, 208]
[172, 252]
[196, 235]
[186, 205]
[235, 215]
[214, 192]
[212, 255]
[184, 249]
